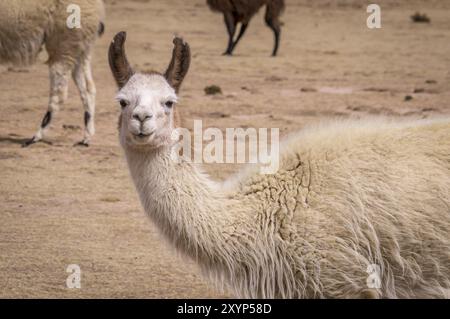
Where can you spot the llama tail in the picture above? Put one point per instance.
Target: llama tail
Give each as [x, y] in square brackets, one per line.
[102, 15]
[101, 29]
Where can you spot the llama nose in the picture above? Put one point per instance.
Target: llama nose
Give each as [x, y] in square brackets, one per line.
[142, 116]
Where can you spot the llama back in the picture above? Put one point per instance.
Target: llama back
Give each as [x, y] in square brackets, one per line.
[245, 8]
[65, 44]
[26, 25]
[23, 24]
[353, 195]
[380, 196]
[220, 5]
[389, 196]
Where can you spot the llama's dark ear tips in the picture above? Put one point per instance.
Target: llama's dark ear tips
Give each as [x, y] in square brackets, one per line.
[177, 41]
[179, 64]
[118, 62]
[120, 37]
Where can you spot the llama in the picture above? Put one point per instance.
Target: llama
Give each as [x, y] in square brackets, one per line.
[27, 25]
[357, 209]
[241, 11]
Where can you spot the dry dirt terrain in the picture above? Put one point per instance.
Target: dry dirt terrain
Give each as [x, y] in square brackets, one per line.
[62, 205]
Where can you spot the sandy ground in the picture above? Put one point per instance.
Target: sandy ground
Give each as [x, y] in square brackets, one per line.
[62, 205]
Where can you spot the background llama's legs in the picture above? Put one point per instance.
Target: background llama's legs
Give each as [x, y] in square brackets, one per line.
[271, 18]
[230, 23]
[244, 26]
[82, 76]
[59, 82]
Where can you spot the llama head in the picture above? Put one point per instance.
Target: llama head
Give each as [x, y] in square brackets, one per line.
[148, 100]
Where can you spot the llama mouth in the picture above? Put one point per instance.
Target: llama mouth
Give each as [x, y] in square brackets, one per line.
[143, 135]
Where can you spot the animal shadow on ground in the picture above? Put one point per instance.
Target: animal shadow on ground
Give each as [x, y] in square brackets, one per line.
[18, 140]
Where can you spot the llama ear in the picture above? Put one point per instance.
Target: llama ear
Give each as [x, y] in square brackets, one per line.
[179, 65]
[118, 61]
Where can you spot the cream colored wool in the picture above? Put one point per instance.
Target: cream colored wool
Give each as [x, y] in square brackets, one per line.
[347, 195]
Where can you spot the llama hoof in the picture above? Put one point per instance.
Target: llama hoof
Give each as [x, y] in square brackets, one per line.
[27, 143]
[226, 53]
[82, 143]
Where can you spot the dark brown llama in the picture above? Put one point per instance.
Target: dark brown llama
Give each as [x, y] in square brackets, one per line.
[241, 11]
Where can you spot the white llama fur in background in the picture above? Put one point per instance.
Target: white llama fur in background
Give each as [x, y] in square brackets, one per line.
[26, 26]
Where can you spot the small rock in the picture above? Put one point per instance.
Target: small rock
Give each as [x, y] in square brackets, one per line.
[376, 89]
[110, 199]
[354, 108]
[308, 90]
[420, 18]
[218, 114]
[212, 90]
[274, 78]
[408, 98]
[71, 127]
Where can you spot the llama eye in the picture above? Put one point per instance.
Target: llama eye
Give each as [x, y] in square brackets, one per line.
[123, 103]
[169, 104]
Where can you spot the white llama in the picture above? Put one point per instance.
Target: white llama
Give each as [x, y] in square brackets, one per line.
[356, 209]
[28, 25]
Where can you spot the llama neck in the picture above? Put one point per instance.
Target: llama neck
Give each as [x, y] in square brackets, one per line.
[181, 200]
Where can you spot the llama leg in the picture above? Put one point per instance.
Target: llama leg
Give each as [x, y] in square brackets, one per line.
[230, 23]
[241, 33]
[59, 82]
[273, 22]
[82, 76]
[89, 114]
